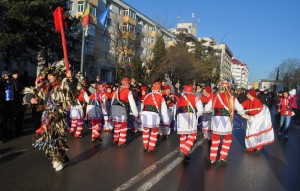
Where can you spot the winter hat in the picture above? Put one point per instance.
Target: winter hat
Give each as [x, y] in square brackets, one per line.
[292, 92]
[252, 92]
[125, 81]
[188, 89]
[225, 83]
[167, 87]
[5, 73]
[208, 89]
[144, 88]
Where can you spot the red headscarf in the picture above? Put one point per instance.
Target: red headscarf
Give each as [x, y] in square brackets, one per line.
[252, 92]
[188, 88]
[167, 87]
[208, 89]
[125, 81]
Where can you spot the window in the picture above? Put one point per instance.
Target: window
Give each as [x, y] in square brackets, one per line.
[93, 11]
[128, 28]
[71, 4]
[152, 41]
[130, 13]
[80, 7]
[126, 59]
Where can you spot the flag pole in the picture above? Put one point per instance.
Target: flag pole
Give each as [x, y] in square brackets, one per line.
[83, 43]
[82, 50]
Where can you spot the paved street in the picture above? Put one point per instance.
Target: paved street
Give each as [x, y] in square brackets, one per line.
[95, 166]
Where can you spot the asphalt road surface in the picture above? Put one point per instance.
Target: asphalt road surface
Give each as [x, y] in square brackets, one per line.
[95, 166]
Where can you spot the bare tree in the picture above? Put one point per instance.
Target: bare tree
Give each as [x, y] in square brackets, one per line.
[289, 73]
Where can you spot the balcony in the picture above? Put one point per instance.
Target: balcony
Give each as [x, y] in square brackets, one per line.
[153, 34]
[92, 2]
[129, 35]
[128, 51]
[127, 19]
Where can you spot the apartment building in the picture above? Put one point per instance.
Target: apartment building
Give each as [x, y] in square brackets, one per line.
[240, 73]
[189, 29]
[224, 55]
[129, 33]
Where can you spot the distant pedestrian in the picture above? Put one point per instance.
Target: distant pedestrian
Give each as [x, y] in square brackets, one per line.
[293, 101]
[285, 115]
[18, 99]
[7, 107]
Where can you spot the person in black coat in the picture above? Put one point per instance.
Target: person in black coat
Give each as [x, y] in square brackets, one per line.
[7, 108]
[18, 102]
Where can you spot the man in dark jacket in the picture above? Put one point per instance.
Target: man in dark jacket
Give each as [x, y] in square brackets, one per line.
[18, 99]
[7, 109]
[266, 98]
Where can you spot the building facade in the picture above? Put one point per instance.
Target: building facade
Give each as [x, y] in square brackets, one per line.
[129, 33]
[240, 73]
[189, 29]
[265, 84]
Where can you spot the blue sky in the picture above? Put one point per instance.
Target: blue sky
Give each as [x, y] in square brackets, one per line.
[260, 33]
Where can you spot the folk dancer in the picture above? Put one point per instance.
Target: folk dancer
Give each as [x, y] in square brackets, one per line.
[188, 109]
[222, 106]
[205, 119]
[122, 103]
[95, 110]
[77, 114]
[107, 121]
[259, 125]
[57, 96]
[152, 110]
[137, 121]
[170, 99]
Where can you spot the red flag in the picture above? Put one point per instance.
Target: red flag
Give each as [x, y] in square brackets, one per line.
[59, 26]
[86, 16]
[58, 16]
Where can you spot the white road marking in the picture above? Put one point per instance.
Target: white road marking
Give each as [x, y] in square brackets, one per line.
[145, 172]
[156, 178]
[151, 182]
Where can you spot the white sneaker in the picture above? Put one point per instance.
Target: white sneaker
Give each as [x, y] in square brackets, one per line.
[60, 166]
[55, 164]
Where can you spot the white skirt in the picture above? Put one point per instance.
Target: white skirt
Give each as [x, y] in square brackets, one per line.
[93, 112]
[150, 119]
[259, 130]
[206, 125]
[221, 125]
[186, 123]
[76, 112]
